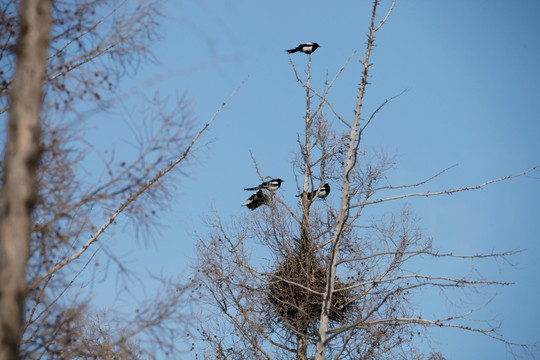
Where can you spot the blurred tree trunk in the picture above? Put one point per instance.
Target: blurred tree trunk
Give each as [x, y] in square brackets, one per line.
[22, 155]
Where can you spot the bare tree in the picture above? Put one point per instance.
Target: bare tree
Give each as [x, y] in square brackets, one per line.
[93, 44]
[327, 281]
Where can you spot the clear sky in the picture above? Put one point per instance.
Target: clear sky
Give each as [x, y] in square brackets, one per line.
[471, 69]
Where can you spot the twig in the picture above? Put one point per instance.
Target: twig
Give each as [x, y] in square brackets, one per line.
[133, 197]
[451, 191]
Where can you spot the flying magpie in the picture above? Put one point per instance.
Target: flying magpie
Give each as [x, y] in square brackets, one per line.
[319, 193]
[306, 48]
[256, 200]
[271, 185]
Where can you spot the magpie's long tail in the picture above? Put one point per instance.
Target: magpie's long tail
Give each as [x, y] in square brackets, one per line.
[290, 51]
[253, 188]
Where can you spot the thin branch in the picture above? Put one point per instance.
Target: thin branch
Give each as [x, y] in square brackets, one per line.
[379, 108]
[444, 323]
[90, 29]
[327, 90]
[134, 196]
[421, 277]
[416, 184]
[434, 254]
[387, 15]
[451, 191]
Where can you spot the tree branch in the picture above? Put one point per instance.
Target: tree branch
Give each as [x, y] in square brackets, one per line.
[451, 191]
[133, 197]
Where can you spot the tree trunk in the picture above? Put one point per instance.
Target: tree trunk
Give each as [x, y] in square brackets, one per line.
[21, 160]
[354, 140]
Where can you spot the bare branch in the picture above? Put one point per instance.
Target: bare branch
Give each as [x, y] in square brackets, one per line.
[449, 192]
[134, 196]
[379, 108]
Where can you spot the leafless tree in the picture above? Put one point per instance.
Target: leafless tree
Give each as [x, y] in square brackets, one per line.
[327, 281]
[93, 44]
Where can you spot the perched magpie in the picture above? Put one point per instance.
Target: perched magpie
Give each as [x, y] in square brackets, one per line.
[271, 185]
[256, 200]
[306, 48]
[319, 193]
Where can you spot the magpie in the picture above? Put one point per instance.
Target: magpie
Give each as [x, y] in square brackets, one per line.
[319, 193]
[256, 200]
[271, 185]
[306, 48]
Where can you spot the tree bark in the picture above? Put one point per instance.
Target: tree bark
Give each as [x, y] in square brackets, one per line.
[22, 154]
[301, 347]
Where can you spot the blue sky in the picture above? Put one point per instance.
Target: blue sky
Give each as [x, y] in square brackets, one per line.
[471, 73]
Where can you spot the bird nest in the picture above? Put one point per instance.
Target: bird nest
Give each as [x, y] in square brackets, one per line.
[295, 293]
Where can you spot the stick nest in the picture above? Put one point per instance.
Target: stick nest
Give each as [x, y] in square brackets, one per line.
[295, 293]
